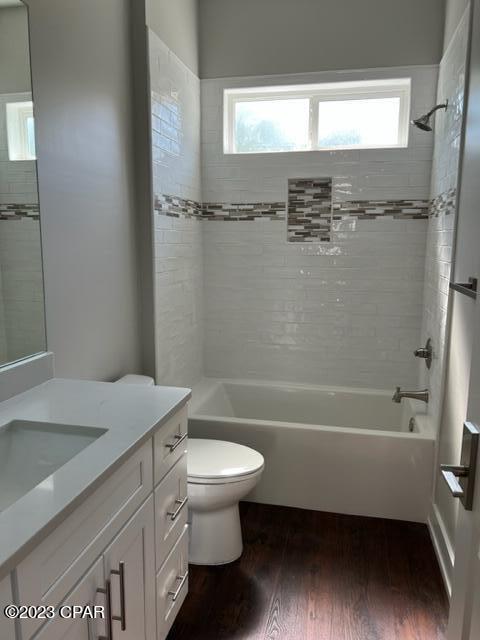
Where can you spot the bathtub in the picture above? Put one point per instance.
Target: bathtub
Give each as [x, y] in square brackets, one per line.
[342, 450]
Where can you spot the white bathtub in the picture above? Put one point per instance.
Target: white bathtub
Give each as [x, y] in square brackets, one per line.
[326, 448]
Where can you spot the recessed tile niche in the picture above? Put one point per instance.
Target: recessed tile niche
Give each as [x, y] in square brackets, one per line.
[309, 214]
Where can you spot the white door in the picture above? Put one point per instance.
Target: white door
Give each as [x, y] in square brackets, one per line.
[81, 628]
[130, 568]
[464, 622]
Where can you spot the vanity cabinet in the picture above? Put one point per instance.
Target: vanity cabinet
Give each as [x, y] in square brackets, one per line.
[7, 630]
[53, 568]
[124, 547]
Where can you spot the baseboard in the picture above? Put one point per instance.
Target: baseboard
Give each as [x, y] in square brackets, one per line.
[443, 547]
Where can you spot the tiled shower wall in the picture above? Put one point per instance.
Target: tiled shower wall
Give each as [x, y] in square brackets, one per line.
[175, 102]
[344, 312]
[21, 287]
[22, 329]
[18, 180]
[445, 175]
[448, 125]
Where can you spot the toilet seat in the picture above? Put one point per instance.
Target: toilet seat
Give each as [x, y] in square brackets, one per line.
[226, 480]
[219, 462]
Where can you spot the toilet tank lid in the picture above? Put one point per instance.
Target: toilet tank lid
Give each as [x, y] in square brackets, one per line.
[136, 379]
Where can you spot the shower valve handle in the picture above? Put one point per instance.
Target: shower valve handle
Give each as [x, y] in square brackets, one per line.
[426, 353]
[421, 353]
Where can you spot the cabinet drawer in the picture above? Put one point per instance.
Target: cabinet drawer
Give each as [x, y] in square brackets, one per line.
[169, 444]
[172, 585]
[170, 509]
[59, 561]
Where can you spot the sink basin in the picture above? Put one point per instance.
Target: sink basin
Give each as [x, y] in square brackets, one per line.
[30, 452]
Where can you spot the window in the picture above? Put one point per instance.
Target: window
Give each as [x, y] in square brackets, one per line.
[20, 131]
[342, 115]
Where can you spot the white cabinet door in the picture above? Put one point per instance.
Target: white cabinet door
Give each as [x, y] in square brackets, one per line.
[129, 564]
[85, 594]
[7, 628]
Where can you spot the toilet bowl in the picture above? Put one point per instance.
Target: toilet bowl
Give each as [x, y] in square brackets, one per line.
[220, 474]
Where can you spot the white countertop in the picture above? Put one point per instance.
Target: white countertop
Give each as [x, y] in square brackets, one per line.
[131, 413]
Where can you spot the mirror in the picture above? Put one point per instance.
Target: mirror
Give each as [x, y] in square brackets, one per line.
[22, 322]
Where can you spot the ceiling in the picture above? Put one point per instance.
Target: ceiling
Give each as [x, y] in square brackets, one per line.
[11, 3]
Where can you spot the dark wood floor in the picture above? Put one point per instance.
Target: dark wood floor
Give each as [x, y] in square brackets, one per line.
[308, 575]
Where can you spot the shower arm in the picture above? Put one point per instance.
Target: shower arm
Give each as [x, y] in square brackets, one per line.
[437, 107]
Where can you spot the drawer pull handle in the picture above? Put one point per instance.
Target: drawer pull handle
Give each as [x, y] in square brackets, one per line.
[174, 514]
[107, 592]
[120, 572]
[179, 440]
[183, 579]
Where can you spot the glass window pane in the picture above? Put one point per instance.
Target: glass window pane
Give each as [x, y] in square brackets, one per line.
[30, 136]
[272, 125]
[365, 122]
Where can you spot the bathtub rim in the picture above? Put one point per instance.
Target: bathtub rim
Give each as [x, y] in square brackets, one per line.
[206, 387]
[420, 435]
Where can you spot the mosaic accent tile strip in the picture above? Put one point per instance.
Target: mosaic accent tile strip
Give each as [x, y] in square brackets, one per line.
[19, 211]
[309, 210]
[373, 209]
[249, 211]
[444, 204]
[176, 207]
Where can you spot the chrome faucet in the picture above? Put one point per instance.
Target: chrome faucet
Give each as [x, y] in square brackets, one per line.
[416, 395]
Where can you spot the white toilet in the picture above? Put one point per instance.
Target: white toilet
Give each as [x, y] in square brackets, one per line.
[220, 474]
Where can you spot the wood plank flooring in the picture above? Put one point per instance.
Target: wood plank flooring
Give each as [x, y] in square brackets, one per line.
[307, 575]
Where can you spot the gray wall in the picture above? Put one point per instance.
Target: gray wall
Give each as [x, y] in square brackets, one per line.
[175, 22]
[454, 10]
[82, 89]
[254, 37]
[14, 62]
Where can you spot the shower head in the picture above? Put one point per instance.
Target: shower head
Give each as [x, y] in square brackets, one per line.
[423, 122]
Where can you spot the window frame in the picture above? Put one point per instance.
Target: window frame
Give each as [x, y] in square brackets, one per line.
[316, 93]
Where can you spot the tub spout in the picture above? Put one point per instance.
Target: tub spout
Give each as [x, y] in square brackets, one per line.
[416, 395]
